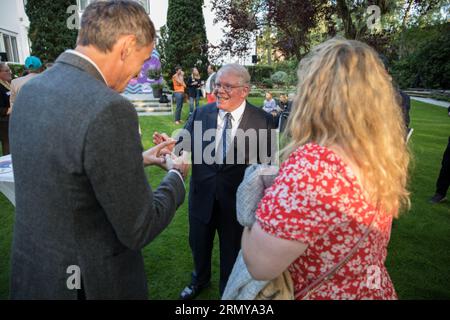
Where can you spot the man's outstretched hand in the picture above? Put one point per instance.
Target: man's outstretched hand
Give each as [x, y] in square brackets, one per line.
[156, 155]
[159, 138]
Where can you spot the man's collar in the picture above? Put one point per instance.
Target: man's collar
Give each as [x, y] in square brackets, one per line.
[85, 57]
[236, 114]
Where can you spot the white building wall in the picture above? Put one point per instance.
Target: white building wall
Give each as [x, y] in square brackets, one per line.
[14, 22]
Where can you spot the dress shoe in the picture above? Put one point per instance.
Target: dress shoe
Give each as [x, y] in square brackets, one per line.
[192, 291]
[437, 198]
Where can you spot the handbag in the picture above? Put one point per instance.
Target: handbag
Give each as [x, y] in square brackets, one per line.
[282, 287]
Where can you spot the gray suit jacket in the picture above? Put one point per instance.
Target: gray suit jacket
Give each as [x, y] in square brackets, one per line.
[82, 196]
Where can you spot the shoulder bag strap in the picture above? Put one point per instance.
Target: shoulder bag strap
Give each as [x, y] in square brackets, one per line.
[330, 273]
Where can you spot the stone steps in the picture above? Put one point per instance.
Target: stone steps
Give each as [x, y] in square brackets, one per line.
[148, 105]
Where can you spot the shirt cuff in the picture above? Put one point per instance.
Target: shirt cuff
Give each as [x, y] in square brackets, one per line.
[178, 173]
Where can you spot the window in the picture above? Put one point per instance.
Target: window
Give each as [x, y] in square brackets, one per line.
[10, 47]
[14, 49]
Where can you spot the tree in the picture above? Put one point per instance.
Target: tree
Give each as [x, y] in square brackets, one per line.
[247, 19]
[186, 44]
[49, 33]
[161, 44]
[298, 24]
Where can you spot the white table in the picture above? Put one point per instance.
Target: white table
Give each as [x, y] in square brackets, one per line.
[7, 178]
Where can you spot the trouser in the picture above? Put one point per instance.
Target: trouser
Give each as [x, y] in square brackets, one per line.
[201, 240]
[443, 181]
[179, 97]
[195, 99]
[4, 137]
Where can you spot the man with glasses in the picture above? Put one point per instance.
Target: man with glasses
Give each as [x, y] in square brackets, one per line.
[5, 92]
[212, 197]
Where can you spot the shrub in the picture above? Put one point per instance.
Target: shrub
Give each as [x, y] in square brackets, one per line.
[260, 72]
[268, 83]
[17, 70]
[279, 78]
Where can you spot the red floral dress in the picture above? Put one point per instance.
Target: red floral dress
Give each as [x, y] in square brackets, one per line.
[317, 200]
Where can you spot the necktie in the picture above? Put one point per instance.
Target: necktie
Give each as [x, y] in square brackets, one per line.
[226, 135]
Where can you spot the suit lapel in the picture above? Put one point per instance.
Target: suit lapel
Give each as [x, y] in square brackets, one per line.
[245, 118]
[243, 125]
[211, 123]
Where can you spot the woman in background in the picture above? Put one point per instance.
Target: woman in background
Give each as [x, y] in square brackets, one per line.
[327, 218]
[194, 84]
[5, 92]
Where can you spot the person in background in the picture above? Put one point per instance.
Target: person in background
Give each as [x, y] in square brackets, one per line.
[179, 87]
[327, 218]
[443, 181]
[209, 86]
[5, 107]
[284, 115]
[33, 66]
[270, 106]
[404, 100]
[194, 84]
[283, 102]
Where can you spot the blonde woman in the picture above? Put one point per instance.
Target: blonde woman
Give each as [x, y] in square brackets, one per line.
[327, 218]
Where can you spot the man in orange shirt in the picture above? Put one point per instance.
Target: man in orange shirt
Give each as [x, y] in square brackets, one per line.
[178, 92]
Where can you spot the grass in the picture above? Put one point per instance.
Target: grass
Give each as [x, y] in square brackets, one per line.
[418, 259]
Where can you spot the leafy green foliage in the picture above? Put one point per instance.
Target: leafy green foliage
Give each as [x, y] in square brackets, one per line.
[267, 83]
[16, 69]
[279, 78]
[187, 44]
[49, 34]
[426, 58]
[260, 72]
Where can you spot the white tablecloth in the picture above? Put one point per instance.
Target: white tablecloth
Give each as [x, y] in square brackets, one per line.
[7, 178]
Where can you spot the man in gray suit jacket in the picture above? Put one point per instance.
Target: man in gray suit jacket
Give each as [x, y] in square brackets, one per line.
[84, 208]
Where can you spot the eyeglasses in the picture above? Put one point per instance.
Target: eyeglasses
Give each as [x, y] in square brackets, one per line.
[7, 70]
[226, 87]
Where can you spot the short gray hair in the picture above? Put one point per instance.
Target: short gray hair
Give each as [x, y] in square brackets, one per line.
[237, 70]
[103, 22]
[3, 65]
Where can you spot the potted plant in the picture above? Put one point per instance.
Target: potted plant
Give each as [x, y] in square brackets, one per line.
[157, 88]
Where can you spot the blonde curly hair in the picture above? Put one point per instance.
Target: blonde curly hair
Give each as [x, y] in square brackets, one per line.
[345, 97]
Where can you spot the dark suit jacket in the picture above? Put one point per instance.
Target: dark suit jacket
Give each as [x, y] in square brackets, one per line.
[82, 196]
[4, 104]
[210, 182]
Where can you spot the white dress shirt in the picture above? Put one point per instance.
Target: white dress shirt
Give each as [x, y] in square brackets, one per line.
[236, 117]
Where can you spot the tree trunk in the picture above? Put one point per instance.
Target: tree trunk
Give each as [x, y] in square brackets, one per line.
[345, 14]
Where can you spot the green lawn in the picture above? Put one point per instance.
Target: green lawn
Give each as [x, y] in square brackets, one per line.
[418, 259]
